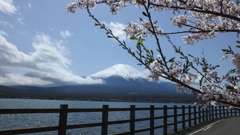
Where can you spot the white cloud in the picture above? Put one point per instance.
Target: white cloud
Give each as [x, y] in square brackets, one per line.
[117, 29]
[46, 65]
[7, 6]
[6, 24]
[65, 34]
[18, 79]
[20, 20]
[3, 33]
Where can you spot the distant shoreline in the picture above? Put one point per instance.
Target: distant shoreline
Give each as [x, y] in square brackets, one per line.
[106, 100]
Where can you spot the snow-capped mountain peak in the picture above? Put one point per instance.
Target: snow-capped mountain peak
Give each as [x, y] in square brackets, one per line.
[122, 70]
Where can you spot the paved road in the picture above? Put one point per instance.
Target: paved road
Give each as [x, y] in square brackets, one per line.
[228, 126]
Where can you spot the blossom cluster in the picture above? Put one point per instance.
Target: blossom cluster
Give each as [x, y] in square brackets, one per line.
[236, 61]
[180, 20]
[144, 29]
[81, 4]
[176, 71]
[156, 71]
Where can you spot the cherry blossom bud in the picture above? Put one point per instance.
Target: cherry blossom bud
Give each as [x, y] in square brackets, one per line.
[228, 107]
[224, 57]
[214, 103]
[196, 104]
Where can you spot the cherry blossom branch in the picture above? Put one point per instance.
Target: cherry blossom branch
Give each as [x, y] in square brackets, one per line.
[198, 9]
[171, 78]
[153, 31]
[206, 31]
[206, 19]
[122, 44]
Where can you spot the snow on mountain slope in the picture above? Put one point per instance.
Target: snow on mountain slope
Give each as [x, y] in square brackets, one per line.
[122, 70]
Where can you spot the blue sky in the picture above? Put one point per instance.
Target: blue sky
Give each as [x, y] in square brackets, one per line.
[43, 44]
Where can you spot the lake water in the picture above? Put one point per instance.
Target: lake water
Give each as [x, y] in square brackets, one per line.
[16, 121]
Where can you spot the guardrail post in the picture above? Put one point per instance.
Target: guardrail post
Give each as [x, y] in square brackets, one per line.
[203, 115]
[212, 112]
[227, 113]
[175, 118]
[189, 116]
[152, 120]
[224, 115]
[132, 119]
[195, 115]
[63, 120]
[216, 112]
[183, 117]
[207, 114]
[220, 112]
[165, 119]
[231, 112]
[199, 115]
[105, 120]
[235, 110]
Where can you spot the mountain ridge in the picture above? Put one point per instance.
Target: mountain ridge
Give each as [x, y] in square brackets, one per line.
[121, 82]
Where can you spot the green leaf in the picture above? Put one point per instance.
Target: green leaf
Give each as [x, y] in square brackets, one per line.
[149, 3]
[139, 44]
[138, 1]
[155, 22]
[133, 38]
[141, 41]
[133, 54]
[179, 48]
[145, 14]
[139, 34]
[225, 50]
[172, 59]
[190, 55]
[148, 51]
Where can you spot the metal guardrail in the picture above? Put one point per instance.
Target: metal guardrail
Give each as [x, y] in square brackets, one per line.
[189, 115]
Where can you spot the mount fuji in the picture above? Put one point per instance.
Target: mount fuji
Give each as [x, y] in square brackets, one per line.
[121, 70]
[125, 77]
[121, 82]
